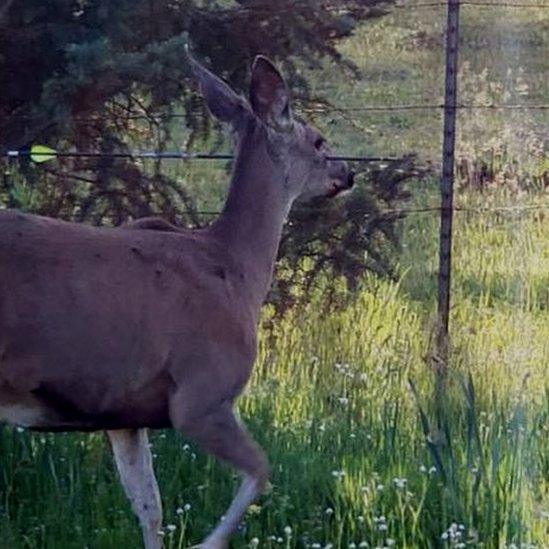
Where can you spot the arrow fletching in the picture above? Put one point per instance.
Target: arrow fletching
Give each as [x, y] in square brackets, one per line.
[41, 153]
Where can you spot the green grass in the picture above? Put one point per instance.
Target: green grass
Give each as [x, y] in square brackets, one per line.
[331, 403]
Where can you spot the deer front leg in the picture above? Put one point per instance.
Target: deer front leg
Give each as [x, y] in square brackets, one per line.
[134, 462]
[221, 434]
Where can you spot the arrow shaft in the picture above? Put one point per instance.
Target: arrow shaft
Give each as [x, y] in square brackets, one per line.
[171, 155]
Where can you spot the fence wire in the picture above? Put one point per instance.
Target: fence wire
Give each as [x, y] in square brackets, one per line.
[339, 9]
[474, 4]
[315, 110]
[429, 209]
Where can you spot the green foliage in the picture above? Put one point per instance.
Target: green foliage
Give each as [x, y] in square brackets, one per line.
[343, 239]
[65, 60]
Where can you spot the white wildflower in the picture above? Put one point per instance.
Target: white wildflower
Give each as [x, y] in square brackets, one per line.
[453, 533]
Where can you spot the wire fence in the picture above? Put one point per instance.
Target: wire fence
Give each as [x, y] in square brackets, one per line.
[402, 212]
[328, 108]
[188, 155]
[335, 108]
[478, 4]
[450, 106]
[323, 109]
[433, 209]
[274, 10]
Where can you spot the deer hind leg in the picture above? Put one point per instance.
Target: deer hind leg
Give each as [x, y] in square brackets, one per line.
[134, 462]
[220, 433]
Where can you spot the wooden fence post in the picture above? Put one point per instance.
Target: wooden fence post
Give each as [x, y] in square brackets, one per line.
[447, 181]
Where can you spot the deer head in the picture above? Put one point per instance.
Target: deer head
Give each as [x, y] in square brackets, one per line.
[291, 142]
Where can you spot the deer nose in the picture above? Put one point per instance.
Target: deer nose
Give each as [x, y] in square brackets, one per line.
[350, 179]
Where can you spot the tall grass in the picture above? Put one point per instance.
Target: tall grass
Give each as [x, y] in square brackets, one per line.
[364, 449]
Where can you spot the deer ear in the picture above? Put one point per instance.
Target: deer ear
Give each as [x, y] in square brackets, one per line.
[269, 94]
[222, 101]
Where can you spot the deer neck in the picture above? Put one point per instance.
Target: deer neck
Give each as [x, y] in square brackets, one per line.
[250, 225]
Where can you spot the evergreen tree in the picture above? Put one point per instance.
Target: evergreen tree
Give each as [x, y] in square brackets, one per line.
[103, 76]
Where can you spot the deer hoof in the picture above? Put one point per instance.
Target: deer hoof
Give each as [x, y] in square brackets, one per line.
[212, 544]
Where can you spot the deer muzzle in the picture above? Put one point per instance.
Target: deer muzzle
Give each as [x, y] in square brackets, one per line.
[350, 179]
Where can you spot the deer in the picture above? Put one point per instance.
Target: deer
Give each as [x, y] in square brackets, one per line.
[148, 325]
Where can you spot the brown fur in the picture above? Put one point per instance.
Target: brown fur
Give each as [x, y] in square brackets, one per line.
[105, 323]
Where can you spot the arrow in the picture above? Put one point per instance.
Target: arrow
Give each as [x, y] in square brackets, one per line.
[42, 153]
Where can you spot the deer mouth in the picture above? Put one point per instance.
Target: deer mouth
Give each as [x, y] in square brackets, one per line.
[336, 187]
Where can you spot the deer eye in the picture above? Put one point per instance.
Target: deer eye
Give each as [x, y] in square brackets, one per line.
[319, 142]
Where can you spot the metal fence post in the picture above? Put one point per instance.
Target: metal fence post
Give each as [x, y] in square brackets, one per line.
[447, 180]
